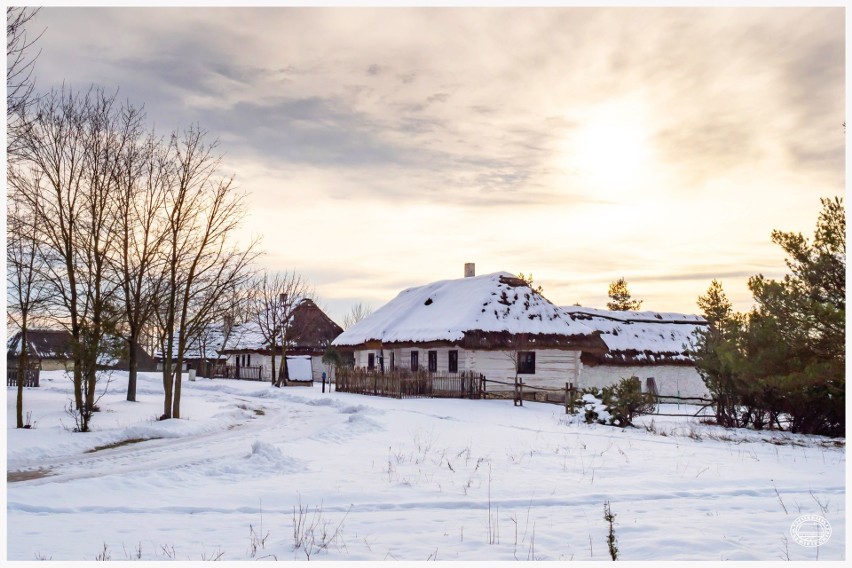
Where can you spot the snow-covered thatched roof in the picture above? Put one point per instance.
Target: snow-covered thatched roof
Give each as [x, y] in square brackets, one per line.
[450, 310]
[640, 337]
[245, 337]
[309, 328]
[204, 345]
[42, 344]
[58, 345]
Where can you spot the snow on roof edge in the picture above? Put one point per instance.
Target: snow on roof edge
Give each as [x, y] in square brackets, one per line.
[446, 310]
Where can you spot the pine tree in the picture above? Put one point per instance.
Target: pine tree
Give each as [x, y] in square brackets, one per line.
[715, 304]
[620, 297]
[715, 351]
[802, 325]
[787, 356]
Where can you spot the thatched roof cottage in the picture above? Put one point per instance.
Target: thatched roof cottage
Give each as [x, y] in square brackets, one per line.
[489, 324]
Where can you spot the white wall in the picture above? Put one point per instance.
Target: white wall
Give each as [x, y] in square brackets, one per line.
[672, 380]
[265, 361]
[553, 367]
[317, 369]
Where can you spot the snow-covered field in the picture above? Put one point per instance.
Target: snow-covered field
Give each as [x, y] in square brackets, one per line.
[252, 472]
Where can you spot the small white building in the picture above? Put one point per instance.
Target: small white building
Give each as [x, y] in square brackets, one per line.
[492, 324]
[310, 333]
[649, 345]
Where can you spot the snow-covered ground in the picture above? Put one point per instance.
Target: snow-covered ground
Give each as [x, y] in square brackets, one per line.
[252, 472]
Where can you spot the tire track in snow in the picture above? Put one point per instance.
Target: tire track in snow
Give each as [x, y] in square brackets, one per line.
[592, 499]
[275, 426]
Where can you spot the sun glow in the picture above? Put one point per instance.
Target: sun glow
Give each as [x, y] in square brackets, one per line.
[610, 153]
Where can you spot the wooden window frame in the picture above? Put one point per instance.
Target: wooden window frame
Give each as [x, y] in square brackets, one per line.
[415, 361]
[526, 362]
[453, 361]
[433, 361]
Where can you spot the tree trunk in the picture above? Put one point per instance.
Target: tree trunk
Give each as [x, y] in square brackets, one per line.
[284, 375]
[132, 365]
[176, 401]
[178, 375]
[22, 373]
[167, 386]
[274, 368]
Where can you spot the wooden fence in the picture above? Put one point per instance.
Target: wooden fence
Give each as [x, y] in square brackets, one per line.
[237, 372]
[521, 391]
[401, 383]
[569, 397]
[406, 384]
[30, 378]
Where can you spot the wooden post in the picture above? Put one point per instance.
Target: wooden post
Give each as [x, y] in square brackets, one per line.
[521, 382]
[515, 392]
[570, 395]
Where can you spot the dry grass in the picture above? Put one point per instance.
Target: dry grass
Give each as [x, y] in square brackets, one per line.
[15, 476]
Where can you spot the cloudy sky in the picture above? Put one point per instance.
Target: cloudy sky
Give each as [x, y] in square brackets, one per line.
[384, 148]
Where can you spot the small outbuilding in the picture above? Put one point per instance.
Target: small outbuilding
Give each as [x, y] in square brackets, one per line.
[47, 349]
[652, 346]
[52, 350]
[309, 333]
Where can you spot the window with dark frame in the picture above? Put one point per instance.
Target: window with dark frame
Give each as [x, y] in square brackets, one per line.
[371, 361]
[453, 362]
[526, 362]
[414, 361]
[392, 362]
[433, 361]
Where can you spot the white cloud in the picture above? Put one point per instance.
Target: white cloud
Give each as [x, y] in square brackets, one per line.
[404, 142]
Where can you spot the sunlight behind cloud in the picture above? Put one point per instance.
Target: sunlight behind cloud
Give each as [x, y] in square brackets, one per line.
[611, 153]
[659, 144]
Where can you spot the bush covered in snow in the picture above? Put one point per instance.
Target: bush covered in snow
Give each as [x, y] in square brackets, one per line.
[618, 404]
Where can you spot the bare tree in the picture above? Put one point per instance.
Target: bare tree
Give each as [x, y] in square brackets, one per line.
[68, 161]
[358, 312]
[140, 233]
[203, 267]
[20, 63]
[274, 298]
[26, 291]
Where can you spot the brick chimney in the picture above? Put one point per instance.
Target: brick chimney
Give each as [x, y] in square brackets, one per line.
[469, 270]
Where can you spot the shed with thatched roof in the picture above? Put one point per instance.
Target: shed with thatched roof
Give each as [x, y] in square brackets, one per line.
[310, 332]
[652, 346]
[52, 350]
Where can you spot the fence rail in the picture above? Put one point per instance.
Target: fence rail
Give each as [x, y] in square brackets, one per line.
[237, 372]
[569, 396]
[407, 384]
[401, 383]
[31, 377]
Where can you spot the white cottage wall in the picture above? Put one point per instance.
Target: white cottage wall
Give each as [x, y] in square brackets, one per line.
[553, 367]
[265, 361]
[317, 369]
[671, 380]
[258, 359]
